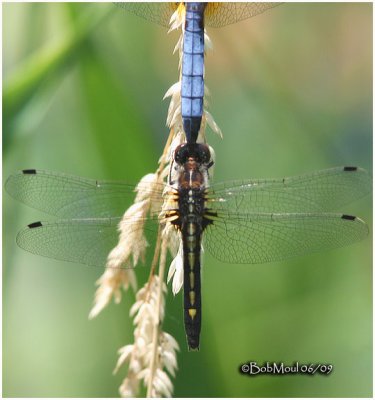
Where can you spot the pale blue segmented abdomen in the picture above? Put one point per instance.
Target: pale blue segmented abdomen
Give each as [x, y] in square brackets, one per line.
[192, 83]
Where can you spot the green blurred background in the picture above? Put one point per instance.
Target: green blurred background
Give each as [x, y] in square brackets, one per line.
[292, 93]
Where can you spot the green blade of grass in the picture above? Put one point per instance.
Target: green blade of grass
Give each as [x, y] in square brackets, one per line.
[21, 85]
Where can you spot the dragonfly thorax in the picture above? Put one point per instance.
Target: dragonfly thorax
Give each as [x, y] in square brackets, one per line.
[192, 164]
[192, 203]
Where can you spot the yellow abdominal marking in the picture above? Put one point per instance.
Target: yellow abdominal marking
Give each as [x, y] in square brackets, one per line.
[191, 229]
[191, 258]
[191, 276]
[192, 312]
[192, 297]
[192, 242]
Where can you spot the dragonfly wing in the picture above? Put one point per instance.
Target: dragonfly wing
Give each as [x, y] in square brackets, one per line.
[260, 238]
[159, 13]
[221, 14]
[87, 241]
[216, 14]
[68, 196]
[325, 190]
[84, 241]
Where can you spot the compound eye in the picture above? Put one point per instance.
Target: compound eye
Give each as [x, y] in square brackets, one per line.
[204, 153]
[180, 154]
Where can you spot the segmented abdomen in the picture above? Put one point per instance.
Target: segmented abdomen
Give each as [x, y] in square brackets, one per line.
[191, 238]
[192, 83]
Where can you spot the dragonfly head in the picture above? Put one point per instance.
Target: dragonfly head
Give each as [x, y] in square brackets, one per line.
[196, 152]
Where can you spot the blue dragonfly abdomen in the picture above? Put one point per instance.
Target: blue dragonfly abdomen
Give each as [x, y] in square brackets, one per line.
[192, 81]
[197, 15]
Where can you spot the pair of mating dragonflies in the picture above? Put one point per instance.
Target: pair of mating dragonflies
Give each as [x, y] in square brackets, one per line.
[248, 221]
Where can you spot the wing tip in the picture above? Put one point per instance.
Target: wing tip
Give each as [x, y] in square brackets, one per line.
[11, 182]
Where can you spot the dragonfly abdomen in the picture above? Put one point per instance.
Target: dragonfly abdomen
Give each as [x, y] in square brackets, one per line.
[191, 238]
[192, 83]
[191, 206]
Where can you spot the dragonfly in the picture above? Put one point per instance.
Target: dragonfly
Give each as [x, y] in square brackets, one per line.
[197, 15]
[248, 221]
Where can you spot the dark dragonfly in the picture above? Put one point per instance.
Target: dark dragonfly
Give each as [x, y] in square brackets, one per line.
[248, 221]
[197, 15]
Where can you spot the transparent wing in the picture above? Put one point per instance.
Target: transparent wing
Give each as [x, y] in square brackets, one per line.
[260, 238]
[159, 13]
[325, 190]
[84, 241]
[221, 14]
[68, 196]
[216, 14]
